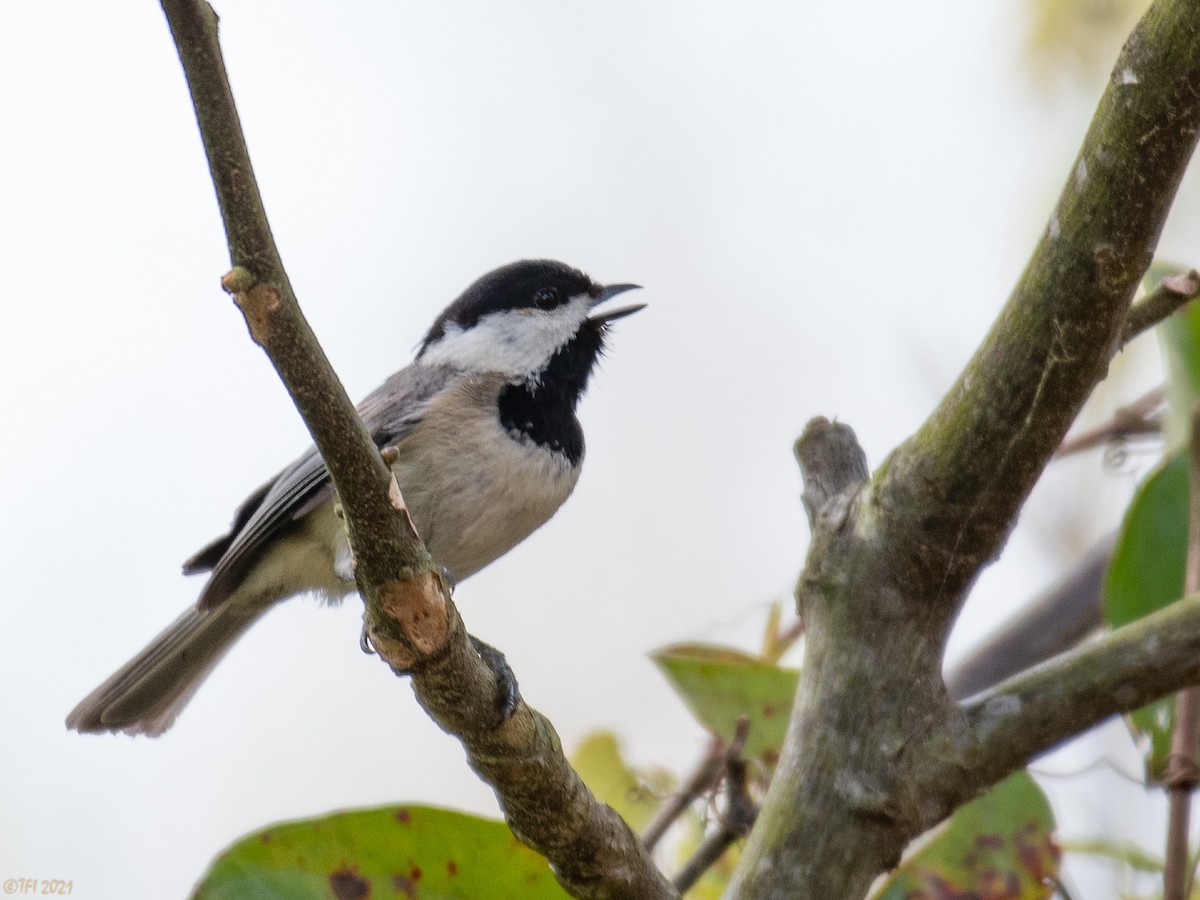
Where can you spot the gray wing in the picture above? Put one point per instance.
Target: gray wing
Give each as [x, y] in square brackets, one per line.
[390, 413]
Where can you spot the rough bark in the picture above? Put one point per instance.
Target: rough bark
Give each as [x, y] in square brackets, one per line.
[877, 751]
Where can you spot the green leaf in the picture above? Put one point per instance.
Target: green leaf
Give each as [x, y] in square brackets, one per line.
[720, 684]
[1146, 574]
[1147, 569]
[394, 851]
[599, 763]
[998, 845]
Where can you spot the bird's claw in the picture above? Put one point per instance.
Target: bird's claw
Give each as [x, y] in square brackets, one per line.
[508, 694]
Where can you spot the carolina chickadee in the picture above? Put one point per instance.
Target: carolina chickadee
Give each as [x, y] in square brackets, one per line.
[488, 448]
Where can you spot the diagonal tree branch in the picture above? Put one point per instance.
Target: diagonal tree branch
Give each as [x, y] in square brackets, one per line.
[412, 622]
[875, 748]
[1031, 713]
[980, 453]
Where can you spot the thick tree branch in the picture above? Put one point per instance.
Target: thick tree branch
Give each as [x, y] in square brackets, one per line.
[964, 476]
[1031, 713]
[412, 621]
[874, 751]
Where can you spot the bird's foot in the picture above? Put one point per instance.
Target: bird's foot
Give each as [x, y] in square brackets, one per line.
[508, 694]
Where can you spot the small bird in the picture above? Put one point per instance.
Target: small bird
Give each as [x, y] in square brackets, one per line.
[487, 447]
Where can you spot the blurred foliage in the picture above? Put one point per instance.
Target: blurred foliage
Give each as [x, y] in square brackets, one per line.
[1079, 39]
[1131, 858]
[386, 852]
[1121, 852]
[634, 794]
[1146, 574]
[1147, 569]
[719, 685]
[1000, 845]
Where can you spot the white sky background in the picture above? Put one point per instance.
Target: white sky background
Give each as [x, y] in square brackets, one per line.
[826, 203]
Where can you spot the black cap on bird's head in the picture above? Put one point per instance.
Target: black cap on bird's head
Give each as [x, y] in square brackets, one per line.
[516, 319]
[541, 284]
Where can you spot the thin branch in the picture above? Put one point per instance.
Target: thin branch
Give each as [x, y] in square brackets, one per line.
[1182, 773]
[383, 539]
[1140, 418]
[1033, 712]
[786, 639]
[1180, 782]
[704, 778]
[412, 622]
[777, 640]
[1171, 295]
[735, 823]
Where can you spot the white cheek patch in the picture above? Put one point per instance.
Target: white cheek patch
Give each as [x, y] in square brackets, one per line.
[517, 343]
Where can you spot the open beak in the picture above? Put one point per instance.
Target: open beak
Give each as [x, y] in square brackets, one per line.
[610, 291]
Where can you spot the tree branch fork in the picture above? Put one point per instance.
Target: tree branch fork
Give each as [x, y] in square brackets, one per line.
[896, 758]
[876, 751]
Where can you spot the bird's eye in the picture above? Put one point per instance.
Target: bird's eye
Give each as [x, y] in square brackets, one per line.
[546, 298]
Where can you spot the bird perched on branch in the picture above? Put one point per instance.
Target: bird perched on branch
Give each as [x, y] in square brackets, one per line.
[486, 448]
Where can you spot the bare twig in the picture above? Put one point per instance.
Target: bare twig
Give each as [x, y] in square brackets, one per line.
[704, 778]
[412, 622]
[735, 823]
[789, 636]
[1182, 774]
[778, 641]
[1173, 293]
[1140, 418]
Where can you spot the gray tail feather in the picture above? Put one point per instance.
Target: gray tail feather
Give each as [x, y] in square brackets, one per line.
[146, 694]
